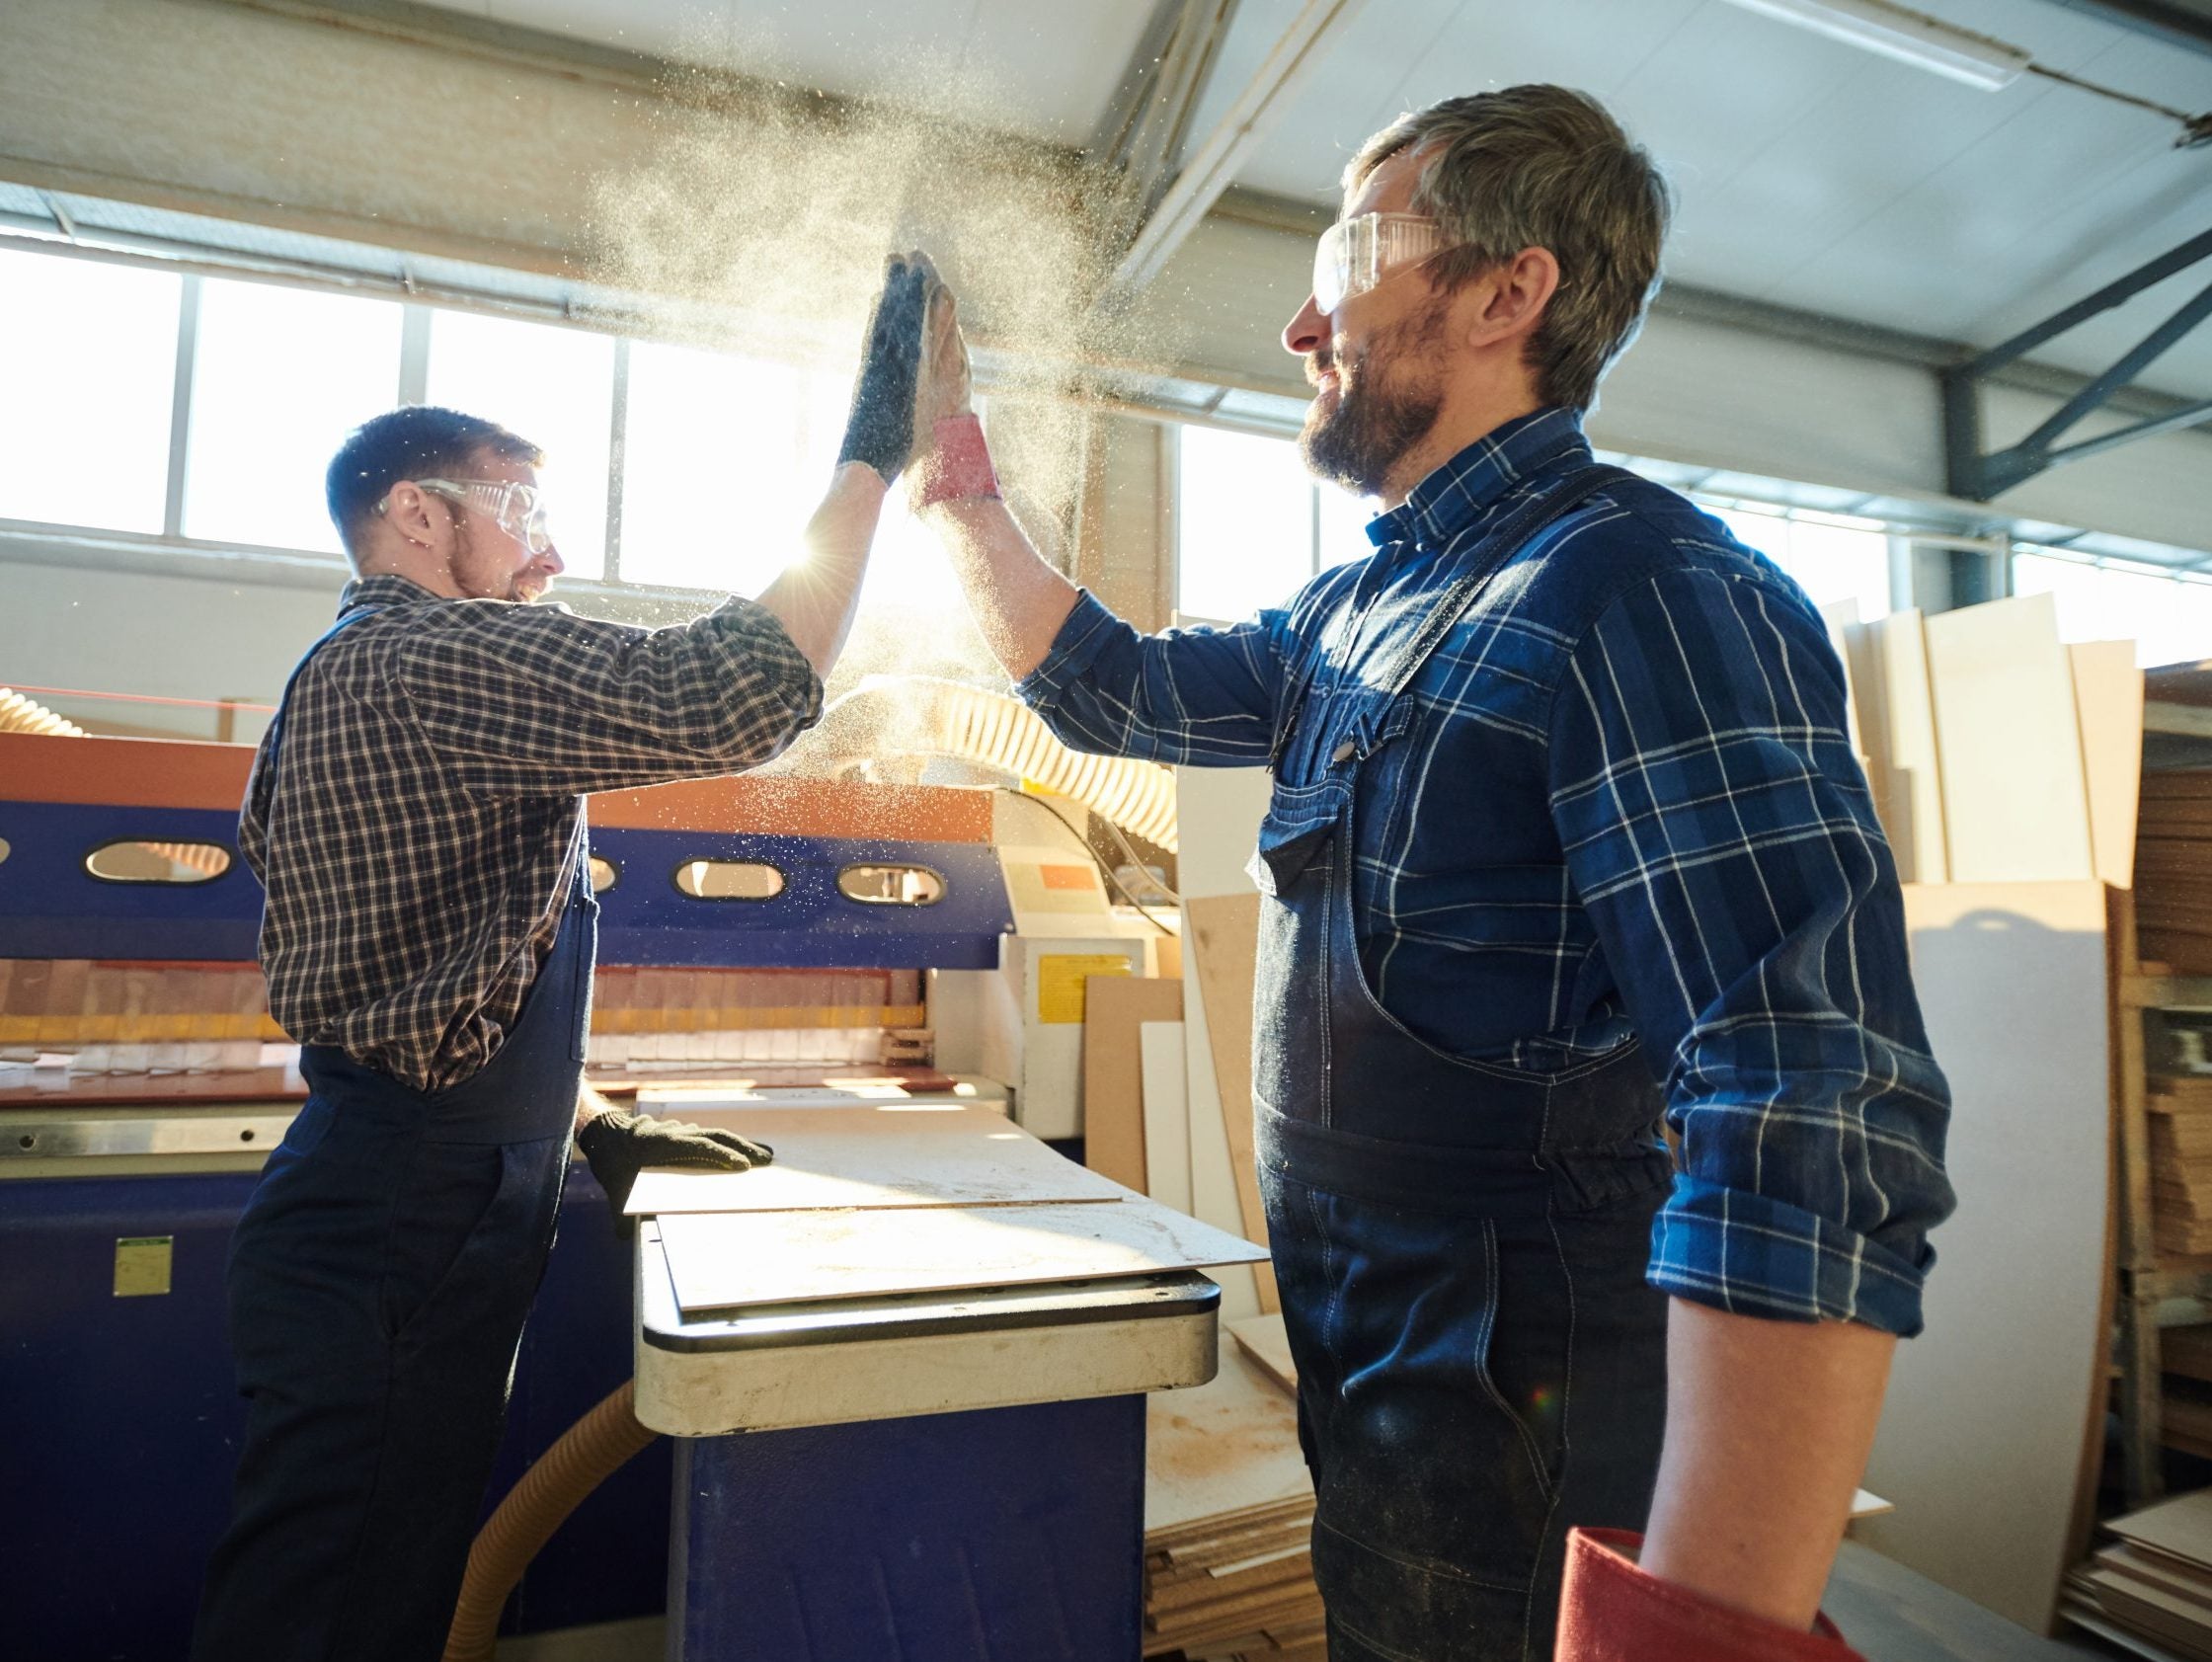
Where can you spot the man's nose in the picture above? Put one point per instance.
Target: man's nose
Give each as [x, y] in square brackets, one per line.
[551, 559]
[1306, 333]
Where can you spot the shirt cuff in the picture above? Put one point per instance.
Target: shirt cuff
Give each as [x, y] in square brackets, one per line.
[1080, 640]
[1753, 1255]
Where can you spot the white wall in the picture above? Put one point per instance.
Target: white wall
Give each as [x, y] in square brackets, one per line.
[170, 637]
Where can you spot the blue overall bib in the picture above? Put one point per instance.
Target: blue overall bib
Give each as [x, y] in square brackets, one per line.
[378, 1282]
[1461, 1246]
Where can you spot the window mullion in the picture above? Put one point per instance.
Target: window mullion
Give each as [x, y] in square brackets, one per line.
[414, 354]
[180, 407]
[618, 419]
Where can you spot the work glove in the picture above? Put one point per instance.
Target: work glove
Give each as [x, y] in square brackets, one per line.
[619, 1145]
[881, 428]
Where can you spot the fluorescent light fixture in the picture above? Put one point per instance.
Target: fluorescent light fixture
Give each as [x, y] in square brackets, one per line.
[1908, 36]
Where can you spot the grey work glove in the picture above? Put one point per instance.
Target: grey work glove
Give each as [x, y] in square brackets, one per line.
[619, 1145]
[881, 428]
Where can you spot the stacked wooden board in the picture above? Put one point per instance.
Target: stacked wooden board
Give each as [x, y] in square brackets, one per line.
[2155, 1583]
[1228, 1520]
[2181, 1125]
[2173, 870]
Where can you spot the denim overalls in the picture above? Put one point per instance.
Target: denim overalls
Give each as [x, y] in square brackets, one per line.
[378, 1282]
[1461, 1246]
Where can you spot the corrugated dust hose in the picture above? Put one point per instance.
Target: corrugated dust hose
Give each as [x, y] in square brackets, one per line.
[589, 1452]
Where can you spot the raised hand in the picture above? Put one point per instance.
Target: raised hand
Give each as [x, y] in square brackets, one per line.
[880, 431]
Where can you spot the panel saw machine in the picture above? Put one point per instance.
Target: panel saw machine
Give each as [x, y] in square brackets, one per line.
[942, 1324]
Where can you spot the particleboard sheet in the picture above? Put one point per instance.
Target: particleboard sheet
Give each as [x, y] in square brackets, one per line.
[719, 1259]
[1115, 1007]
[2011, 982]
[1224, 1446]
[2109, 701]
[905, 1155]
[1888, 662]
[2180, 1528]
[1167, 1132]
[1213, 1173]
[2016, 805]
[1263, 1340]
[1223, 935]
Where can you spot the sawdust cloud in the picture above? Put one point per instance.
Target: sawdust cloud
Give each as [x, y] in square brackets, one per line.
[759, 224]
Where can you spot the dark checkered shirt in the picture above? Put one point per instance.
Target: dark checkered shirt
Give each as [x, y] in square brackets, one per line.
[1620, 801]
[419, 831]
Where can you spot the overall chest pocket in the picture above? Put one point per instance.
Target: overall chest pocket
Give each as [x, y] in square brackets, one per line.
[1318, 777]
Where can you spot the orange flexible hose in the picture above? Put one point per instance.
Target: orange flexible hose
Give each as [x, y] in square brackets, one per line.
[586, 1455]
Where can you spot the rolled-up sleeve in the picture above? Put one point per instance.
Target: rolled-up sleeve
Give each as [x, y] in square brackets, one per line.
[1719, 832]
[1201, 697]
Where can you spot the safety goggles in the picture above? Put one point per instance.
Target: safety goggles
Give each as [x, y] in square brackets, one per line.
[518, 510]
[1355, 255]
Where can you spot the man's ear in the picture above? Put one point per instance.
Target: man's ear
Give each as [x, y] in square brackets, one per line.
[408, 511]
[1514, 296]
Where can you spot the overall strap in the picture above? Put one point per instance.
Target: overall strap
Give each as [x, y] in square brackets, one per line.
[1488, 558]
[1397, 670]
[276, 736]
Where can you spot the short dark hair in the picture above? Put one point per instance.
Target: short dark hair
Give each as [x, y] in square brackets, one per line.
[1547, 167]
[413, 441]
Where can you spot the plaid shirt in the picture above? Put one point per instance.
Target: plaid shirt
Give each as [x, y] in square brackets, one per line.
[1619, 801]
[419, 833]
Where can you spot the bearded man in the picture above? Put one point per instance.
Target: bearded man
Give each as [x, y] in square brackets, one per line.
[1567, 839]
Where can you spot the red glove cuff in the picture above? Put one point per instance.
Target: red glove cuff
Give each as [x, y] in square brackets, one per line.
[1612, 1611]
[959, 464]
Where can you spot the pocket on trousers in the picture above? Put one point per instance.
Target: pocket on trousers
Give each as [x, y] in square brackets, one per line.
[455, 1200]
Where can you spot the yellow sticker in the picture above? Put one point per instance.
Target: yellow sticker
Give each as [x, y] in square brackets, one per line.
[1061, 976]
[143, 1265]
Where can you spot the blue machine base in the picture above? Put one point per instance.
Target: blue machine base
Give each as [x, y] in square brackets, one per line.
[1006, 1532]
[115, 1480]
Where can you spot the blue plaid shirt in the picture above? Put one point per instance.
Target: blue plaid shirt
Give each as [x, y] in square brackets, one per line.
[1620, 803]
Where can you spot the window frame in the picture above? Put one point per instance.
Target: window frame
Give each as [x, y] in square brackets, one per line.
[411, 377]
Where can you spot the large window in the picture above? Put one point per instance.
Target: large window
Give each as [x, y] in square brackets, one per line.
[88, 355]
[665, 465]
[1842, 564]
[556, 388]
[279, 375]
[2169, 618]
[1253, 525]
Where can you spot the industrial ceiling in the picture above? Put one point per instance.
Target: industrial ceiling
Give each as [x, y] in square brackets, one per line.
[1813, 176]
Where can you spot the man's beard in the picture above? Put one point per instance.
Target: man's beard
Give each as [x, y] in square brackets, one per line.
[1379, 418]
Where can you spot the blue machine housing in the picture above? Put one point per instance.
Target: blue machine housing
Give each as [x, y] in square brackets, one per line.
[135, 1397]
[51, 907]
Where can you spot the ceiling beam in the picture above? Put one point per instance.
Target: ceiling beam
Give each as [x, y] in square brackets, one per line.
[1142, 131]
[2178, 22]
[1214, 163]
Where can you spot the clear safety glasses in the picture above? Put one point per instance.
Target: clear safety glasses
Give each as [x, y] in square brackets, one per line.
[518, 510]
[1357, 254]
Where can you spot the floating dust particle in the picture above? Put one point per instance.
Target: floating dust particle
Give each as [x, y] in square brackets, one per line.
[759, 224]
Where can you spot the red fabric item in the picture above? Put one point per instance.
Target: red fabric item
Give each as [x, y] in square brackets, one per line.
[1611, 1611]
[959, 464]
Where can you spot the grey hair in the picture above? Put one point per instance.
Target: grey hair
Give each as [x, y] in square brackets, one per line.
[1540, 167]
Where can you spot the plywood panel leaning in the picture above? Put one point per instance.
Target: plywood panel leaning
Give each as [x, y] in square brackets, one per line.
[2011, 981]
[2016, 804]
[1114, 1009]
[1888, 663]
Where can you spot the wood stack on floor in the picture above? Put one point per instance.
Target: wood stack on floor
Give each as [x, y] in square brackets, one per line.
[1229, 1519]
[2180, 1126]
[2173, 870]
[2156, 1583]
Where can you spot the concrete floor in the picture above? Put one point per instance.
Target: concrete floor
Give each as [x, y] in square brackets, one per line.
[1890, 1614]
